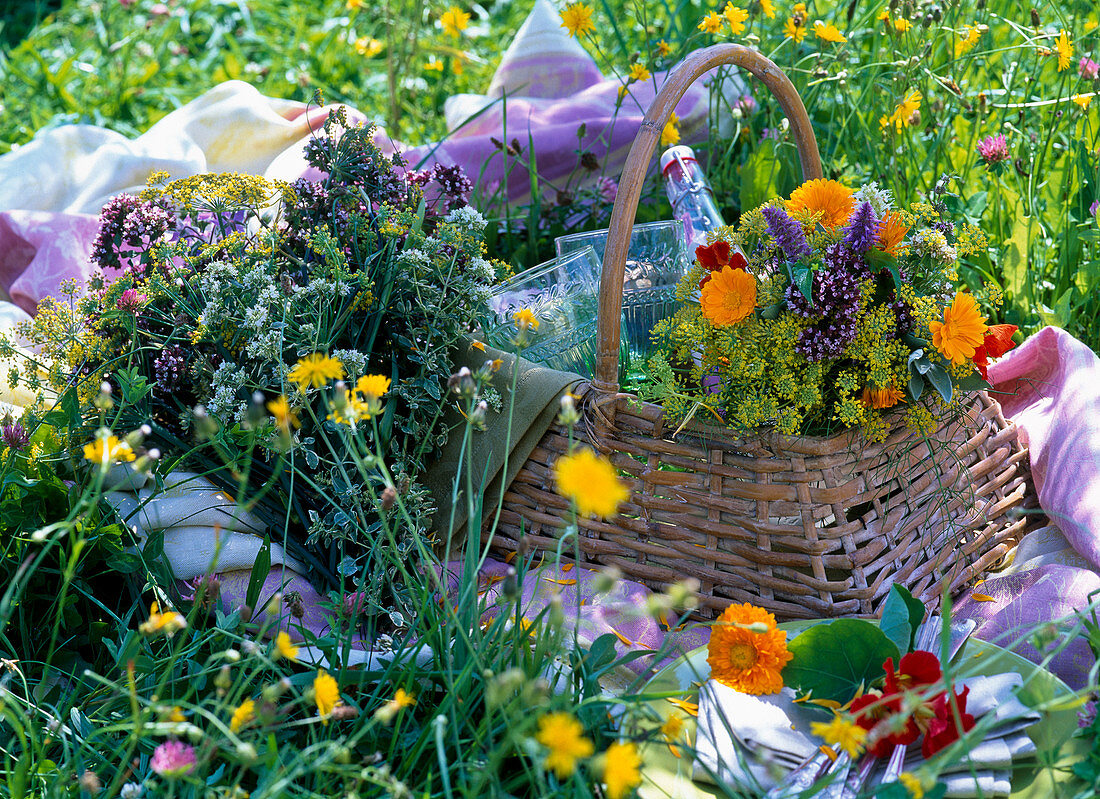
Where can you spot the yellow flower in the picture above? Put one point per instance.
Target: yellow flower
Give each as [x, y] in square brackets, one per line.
[577, 19]
[912, 784]
[879, 398]
[768, 8]
[525, 318]
[746, 660]
[663, 48]
[828, 197]
[965, 43]
[563, 735]
[901, 25]
[373, 385]
[621, 772]
[285, 647]
[670, 134]
[401, 700]
[285, 417]
[326, 694]
[1065, 51]
[841, 731]
[1082, 100]
[176, 716]
[352, 5]
[728, 297]
[736, 18]
[244, 713]
[828, 32]
[794, 30]
[168, 622]
[315, 370]
[712, 23]
[962, 330]
[639, 72]
[454, 21]
[591, 482]
[368, 47]
[903, 114]
[435, 65]
[671, 730]
[107, 449]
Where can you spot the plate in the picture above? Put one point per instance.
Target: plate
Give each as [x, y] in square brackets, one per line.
[665, 776]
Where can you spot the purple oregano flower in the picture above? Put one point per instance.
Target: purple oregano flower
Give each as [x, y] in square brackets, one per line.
[862, 229]
[787, 233]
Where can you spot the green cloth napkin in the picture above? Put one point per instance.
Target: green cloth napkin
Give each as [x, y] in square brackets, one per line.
[538, 392]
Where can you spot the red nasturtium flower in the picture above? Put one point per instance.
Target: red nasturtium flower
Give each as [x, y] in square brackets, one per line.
[715, 256]
[880, 712]
[998, 341]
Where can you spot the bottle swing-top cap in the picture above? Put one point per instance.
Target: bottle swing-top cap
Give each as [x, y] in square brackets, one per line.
[680, 152]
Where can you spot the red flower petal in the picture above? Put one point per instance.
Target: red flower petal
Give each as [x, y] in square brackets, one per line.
[998, 340]
[715, 256]
[943, 730]
[919, 668]
[738, 261]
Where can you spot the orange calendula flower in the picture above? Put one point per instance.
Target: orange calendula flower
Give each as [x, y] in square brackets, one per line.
[728, 297]
[880, 398]
[743, 658]
[891, 232]
[828, 197]
[962, 330]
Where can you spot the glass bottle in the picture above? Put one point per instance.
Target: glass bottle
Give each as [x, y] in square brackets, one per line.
[690, 194]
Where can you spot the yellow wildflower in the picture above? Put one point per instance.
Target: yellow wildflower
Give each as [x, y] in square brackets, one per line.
[354, 5]
[828, 32]
[525, 318]
[794, 30]
[591, 482]
[903, 114]
[736, 18]
[108, 449]
[434, 65]
[712, 23]
[367, 46]
[326, 694]
[912, 784]
[284, 415]
[768, 8]
[663, 48]
[285, 647]
[965, 42]
[1065, 51]
[245, 713]
[577, 19]
[168, 622]
[621, 772]
[845, 732]
[315, 370]
[563, 735]
[454, 20]
[670, 134]
[373, 385]
[401, 700]
[1083, 100]
[639, 72]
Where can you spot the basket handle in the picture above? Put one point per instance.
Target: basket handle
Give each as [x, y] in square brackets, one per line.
[637, 165]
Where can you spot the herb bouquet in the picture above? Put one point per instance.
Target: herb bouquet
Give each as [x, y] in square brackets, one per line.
[827, 311]
[292, 340]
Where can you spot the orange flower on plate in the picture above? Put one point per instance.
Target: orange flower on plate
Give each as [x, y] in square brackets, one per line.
[828, 197]
[891, 232]
[728, 297]
[962, 330]
[744, 659]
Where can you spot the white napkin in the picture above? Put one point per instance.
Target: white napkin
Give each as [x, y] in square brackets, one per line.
[750, 742]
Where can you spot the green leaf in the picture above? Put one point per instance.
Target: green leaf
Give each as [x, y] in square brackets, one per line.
[941, 381]
[902, 614]
[803, 277]
[831, 661]
[972, 382]
[260, 569]
[915, 387]
[1014, 256]
[772, 311]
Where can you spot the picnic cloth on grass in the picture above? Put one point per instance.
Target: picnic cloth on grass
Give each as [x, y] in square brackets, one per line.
[496, 454]
[545, 88]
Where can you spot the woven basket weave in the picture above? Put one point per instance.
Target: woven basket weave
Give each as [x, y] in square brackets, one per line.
[804, 527]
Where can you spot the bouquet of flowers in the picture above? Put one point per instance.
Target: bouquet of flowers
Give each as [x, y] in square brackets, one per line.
[293, 339]
[828, 310]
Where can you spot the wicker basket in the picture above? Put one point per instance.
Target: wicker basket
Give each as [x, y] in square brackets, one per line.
[804, 527]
